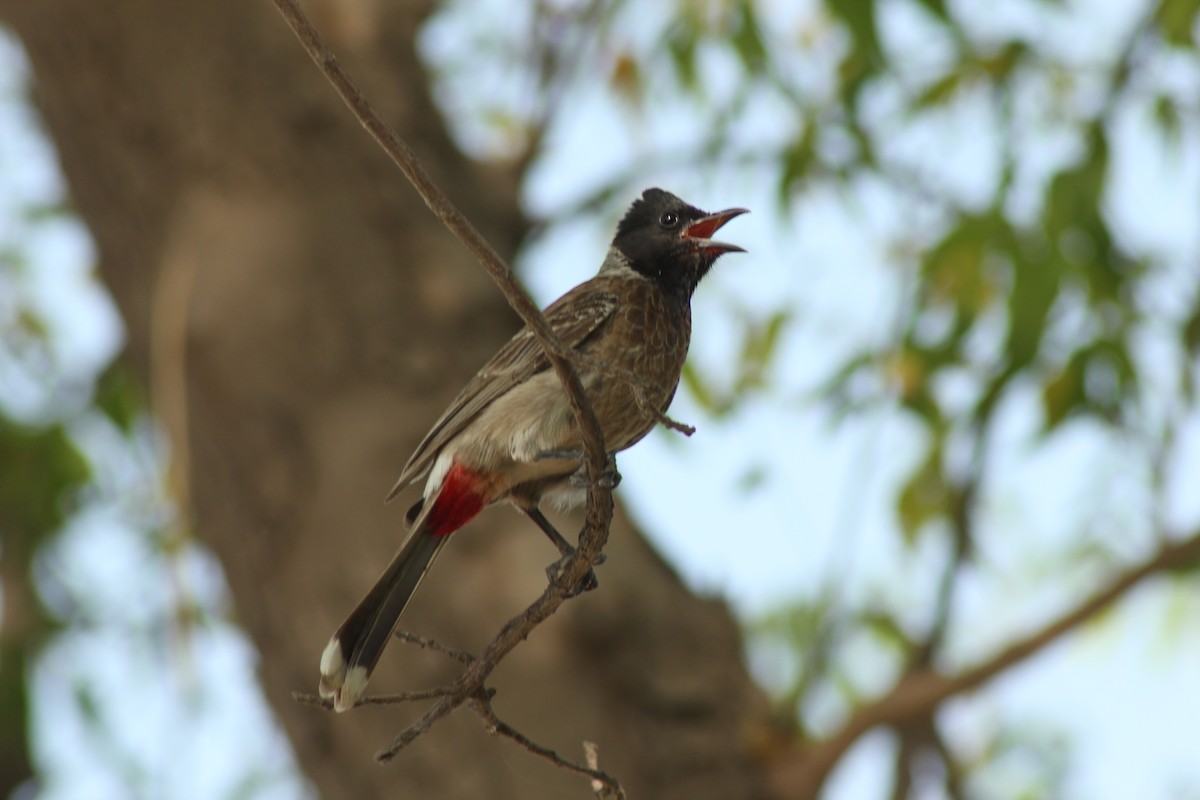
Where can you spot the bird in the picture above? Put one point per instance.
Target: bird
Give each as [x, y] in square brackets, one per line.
[510, 434]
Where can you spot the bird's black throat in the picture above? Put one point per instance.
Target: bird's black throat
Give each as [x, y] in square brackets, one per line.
[653, 237]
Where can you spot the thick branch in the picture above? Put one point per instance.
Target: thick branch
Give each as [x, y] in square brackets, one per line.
[920, 692]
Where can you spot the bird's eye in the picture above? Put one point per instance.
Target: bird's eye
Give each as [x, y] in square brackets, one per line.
[669, 219]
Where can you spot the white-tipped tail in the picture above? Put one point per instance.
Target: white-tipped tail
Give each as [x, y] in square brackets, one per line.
[333, 669]
[354, 650]
[343, 686]
[351, 690]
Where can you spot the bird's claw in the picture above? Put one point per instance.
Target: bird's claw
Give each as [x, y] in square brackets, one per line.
[609, 478]
[587, 583]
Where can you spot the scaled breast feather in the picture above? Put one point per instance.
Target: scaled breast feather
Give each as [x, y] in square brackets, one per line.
[575, 317]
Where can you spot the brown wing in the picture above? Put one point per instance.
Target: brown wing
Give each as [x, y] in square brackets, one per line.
[574, 317]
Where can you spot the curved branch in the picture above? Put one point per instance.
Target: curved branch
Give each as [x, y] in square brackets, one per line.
[470, 684]
[921, 691]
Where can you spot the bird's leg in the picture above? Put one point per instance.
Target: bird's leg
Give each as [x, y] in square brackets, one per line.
[554, 571]
[610, 479]
[556, 538]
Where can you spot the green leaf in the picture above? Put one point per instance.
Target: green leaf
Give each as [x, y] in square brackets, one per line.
[1000, 67]
[1170, 120]
[937, 8]
[747, 38]
[1035, 288]
[1191, 331]
[953, 271]
[1074, 195]
[939, 92]
[866, 56]
[1097, 380]
[32, 325]
[15, 655]
[1176, 19]
[887, 629]
[681, 48]
[699, 389]
[1063, 394]
[762, 340]
[859, 17]
[925, 496]
[842, 389]
[798, 160]
[119, 396]
[38, 466]
[86, 704]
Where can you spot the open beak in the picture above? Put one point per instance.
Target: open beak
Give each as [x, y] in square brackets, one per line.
[701, 231]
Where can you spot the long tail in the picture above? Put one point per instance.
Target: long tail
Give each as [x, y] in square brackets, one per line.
[354, 650]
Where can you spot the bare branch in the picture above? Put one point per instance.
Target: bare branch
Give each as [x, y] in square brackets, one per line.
[421, 726]
[610, 785]
[310, 699]
[470, 684]
[430, 644]
[921, 690]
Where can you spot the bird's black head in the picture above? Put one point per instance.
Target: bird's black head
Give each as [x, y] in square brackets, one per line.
[668, 240]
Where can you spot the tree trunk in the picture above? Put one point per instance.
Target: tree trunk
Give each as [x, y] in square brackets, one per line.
[301, 319]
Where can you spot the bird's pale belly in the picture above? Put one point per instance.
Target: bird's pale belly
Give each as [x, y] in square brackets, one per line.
[522, 429]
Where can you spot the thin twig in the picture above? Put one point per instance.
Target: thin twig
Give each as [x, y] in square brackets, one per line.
[407, 697]
[431, 644]
[470, 684]
[471, 681]
[421, 726]
[661, 418]
[310, 699]
[497, 727]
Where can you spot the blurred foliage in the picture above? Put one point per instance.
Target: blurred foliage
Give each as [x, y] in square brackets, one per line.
[1030, 285]
[41, 472]
[759, 345]
[72, 441]
[75, 443]
[40, 468]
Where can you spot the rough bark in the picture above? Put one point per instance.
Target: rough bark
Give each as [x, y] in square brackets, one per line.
[302, 319]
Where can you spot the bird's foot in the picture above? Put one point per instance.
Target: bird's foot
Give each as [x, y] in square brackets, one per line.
[587, 583]
[555, 571]
[609, 479]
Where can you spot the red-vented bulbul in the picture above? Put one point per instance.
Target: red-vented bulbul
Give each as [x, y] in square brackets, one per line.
[510, 434]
